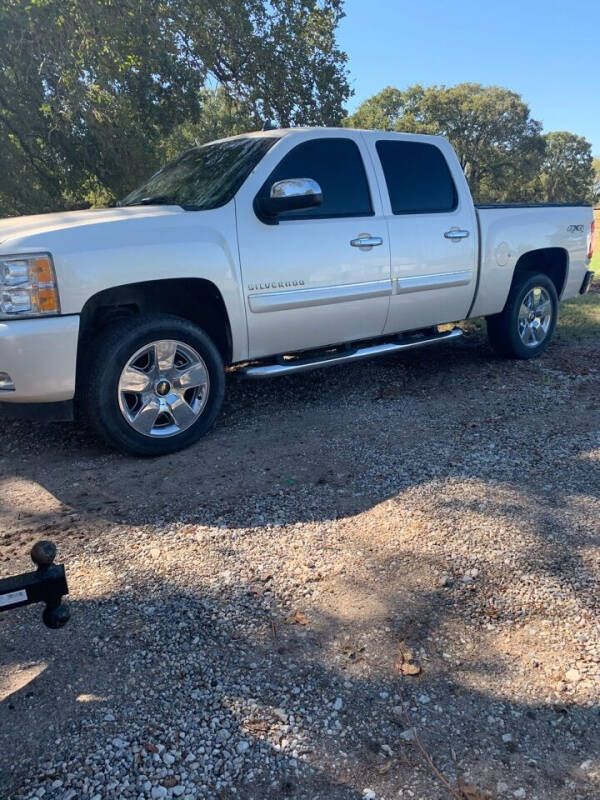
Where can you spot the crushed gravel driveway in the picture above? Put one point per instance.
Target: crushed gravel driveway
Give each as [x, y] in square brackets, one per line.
[375, 581]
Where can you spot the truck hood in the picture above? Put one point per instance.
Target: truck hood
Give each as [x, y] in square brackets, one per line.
[19, 228]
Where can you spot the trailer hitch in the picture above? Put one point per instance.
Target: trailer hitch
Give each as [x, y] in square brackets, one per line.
[46, 585]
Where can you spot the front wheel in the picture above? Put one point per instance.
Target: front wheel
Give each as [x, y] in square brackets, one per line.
[525, 327]
[154, 384]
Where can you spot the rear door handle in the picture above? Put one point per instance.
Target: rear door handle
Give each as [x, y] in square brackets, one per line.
[454, 234]
[366, 241]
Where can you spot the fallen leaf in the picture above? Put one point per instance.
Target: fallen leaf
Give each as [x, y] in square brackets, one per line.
[491, 612]
[404, 663]
[257, 726]
[405, 653]
[410, 669]
[297, 618]
[469, 792]
[354, 654]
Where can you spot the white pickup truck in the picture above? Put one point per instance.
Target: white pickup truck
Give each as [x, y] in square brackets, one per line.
[277, 252]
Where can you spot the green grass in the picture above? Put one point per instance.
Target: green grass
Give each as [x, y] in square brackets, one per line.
[580, 318]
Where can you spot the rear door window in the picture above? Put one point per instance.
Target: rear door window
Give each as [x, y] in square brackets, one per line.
[417, 176]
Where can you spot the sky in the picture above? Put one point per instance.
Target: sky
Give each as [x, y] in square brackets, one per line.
[548, 52]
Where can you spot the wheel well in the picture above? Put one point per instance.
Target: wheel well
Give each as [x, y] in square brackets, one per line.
[194, 299]
[551, 261]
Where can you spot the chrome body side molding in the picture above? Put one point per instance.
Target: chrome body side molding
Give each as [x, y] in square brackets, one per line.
[345, 355]
[320, 296]
[440, 280]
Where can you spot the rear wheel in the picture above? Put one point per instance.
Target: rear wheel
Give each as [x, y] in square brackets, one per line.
[525, 327]
[154, 384]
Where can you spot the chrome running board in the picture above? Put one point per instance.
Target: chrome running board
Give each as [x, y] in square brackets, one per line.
[283, 367]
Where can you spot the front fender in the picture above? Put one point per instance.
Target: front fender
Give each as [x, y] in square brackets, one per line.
[183, 244]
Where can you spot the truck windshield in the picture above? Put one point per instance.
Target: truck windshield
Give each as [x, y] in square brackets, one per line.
[204, 177]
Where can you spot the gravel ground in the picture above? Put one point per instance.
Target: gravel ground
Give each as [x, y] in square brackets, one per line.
[377, 581]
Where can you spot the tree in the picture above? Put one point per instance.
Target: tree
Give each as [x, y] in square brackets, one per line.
[92, 92]
[499, 146]
[220, 116]
[86, 90]
[568, 174]
[279, 58]
[596, 190]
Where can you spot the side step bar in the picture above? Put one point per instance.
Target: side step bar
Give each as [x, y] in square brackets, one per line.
[302, 365]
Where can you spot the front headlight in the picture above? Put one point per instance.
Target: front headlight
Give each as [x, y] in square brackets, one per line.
[28, 286]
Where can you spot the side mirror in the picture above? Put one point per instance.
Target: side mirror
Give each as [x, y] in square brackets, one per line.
[292, 194]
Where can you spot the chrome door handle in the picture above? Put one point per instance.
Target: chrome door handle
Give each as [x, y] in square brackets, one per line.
[454, 234]
[366, 241]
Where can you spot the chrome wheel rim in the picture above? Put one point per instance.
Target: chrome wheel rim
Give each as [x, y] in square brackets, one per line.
[535, 316]
[163, 388]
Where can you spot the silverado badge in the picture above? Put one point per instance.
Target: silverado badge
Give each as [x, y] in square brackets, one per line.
[253, 287]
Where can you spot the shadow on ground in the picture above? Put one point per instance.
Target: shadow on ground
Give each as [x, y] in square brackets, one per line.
[446, 440]
[312, 447]
[120, 670]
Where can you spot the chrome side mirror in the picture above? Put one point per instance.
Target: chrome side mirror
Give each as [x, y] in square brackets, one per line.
[292, 194]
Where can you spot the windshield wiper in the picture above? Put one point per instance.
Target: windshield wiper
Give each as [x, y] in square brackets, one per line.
[156, 200]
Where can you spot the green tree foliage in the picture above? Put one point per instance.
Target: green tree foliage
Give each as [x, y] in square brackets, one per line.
[221, 116]
[568, 172]
[596, 188]
[498, 144]
[86, 90]
[95, 93]
[280, 57]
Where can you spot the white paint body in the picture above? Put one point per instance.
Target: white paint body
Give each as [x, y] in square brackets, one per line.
[286, 287]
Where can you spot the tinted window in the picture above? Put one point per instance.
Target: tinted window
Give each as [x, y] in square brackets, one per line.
[417, 177]
[336, 165]
[205, 177]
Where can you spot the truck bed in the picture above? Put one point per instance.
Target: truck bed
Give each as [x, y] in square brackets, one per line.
[559, 229]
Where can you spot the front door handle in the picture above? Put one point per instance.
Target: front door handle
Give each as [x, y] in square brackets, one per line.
[366, 241]
[454, 234]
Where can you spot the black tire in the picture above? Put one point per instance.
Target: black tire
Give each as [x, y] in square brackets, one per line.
[504, 329]
[108, 355]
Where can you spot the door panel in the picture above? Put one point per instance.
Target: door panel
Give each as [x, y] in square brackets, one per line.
[433, 279]
[433, 262]
[306, 285]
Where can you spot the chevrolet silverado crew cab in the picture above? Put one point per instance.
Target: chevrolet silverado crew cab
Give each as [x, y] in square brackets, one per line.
[277, 252]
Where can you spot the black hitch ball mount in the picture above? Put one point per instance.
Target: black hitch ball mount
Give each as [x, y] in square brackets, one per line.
[48, 584]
